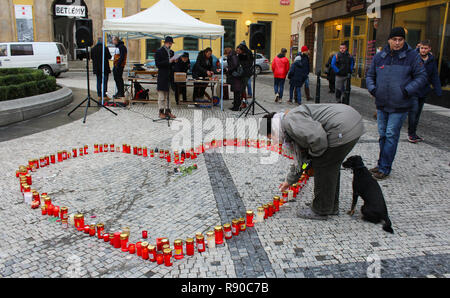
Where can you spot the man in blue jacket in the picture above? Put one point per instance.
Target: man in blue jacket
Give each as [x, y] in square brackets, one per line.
[342, 64]
[424, 51]
[395, 76]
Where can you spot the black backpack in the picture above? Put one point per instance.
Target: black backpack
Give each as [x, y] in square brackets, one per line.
[140, 92]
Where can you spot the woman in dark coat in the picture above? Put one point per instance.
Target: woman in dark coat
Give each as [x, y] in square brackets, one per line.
[203, 68]
[240, 64]
[234, 80]
[181, 65]
[164, 63]
[297, 76]
[331, 76]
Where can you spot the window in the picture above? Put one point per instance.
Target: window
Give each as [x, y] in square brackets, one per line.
[427, 23]
[229, 40]
[151, 46]
[21, 49]
[3, 50]
[190, 44]
[61, 49]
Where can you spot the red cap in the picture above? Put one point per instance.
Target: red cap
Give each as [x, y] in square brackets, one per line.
[304, 49]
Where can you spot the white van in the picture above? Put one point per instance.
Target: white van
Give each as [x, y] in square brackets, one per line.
[51, 57]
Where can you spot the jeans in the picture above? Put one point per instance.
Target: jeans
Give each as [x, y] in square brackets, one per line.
[299, 93]
[278, 86]
[249, 87]
[99, 84]
[414, 115]
[389, 126]
[307, 82]
[339, 87]
[118, 73]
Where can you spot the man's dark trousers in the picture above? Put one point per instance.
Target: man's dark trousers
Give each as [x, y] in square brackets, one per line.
[327, 174]
[414, 116]
[118, 73]
[99, 84]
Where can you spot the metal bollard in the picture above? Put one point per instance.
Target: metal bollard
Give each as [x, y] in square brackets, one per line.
[346, 99]
[317, 99]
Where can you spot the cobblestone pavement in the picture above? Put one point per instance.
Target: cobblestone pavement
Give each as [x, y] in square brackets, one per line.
[126, 190]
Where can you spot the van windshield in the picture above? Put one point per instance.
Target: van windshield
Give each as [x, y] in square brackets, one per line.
[61, 49]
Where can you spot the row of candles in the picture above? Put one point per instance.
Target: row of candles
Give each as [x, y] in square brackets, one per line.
[162, 253]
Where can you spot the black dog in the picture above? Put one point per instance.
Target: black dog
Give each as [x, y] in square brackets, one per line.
[374, 209]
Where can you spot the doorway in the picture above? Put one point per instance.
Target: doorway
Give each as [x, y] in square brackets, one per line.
[310, 34]
[266, 51]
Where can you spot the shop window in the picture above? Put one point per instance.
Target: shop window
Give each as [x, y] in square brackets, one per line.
[347, 30]
[152, 45]
[3, 50]
[427, 23]
[190, 44]
[21, 49]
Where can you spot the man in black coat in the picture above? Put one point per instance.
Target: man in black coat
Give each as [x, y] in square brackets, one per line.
[97, 61]
[163, 60]
[181, 65]
[120, 60]
[203, 68]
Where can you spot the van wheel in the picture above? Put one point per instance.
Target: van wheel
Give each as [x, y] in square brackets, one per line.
[46, 69]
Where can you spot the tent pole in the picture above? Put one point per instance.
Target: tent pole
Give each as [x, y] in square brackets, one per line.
[128, 73]
[103, 66]
[221, 83]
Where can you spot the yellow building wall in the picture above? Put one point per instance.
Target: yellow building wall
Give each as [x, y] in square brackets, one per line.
[213, 11]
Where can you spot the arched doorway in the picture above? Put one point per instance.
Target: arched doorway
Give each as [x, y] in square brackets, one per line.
[64, 14]
[310, 35]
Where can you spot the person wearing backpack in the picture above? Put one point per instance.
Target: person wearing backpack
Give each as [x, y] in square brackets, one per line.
[342, 64]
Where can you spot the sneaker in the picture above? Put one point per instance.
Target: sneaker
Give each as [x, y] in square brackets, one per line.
[380, 175]
[412, 139]
[419, 139]
[307, 213]
[277, 97]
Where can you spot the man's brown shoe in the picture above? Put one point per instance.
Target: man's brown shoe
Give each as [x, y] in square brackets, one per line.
[380, 175]
[374, 170]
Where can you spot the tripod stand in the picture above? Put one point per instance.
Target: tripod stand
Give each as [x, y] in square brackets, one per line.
[88, 98]
[252, 104]
[167, 115]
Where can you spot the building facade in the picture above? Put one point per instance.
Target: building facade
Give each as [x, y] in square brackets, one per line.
[53, 20]
[352, 22]
[303, 30]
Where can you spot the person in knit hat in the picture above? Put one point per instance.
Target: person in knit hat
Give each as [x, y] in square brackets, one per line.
[395, 77]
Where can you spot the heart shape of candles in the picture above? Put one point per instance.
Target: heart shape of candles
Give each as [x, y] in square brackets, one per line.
[143, 249]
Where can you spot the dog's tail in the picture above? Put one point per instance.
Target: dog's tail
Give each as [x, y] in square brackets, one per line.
[387, 226]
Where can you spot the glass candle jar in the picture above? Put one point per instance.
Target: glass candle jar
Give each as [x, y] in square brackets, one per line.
[74, 152]
[235, 227]
[124, 242]
[218, 233]
[96, 148]
[64, 213]
[47, 200]
[79, 221]
[144, 250]
[106, 237]
[85, 148]
[81, 152]
[100, 230]
[249, 216]
[164, 241]
[111, 238]
[168, 257]
[290, 196]
[111, 147]
[100, 148]
[138, 249]
[56, 211]
[152, 253]
[159, 259]
[276, 203]
[270, 209]
[27, 195]
[131, 248]
[260, 214]
[126, 230]
[242, 226]
[178, 249]
[117, 239]
[139, 151]
[144, 151]
[227, 231]
[190, 246]
[144, 234]
[92, 230]
[43, 210]
[266, 211]
[86, 229]
[200, 243]
[105, 147]
[210, 239]
[165, 246]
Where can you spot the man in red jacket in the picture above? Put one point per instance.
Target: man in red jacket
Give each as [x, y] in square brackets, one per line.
[280, 68]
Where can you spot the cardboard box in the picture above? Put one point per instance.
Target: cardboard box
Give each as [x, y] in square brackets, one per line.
[180, 77]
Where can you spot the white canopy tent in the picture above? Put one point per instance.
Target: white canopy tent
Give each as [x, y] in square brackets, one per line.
[161, 20]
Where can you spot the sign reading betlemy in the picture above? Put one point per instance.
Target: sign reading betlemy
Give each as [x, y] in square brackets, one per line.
[70, 10]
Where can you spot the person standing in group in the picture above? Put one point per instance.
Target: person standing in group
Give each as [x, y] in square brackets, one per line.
[120, 60]
[240, 70]
[280, 68]
[395, 76]
[181, 65]
[297, 76]
[234, 77]
[331, 75]
[163, 61]
[431, 69]
[97, 62]
[342, 64]
[203, 68]
[304, 52]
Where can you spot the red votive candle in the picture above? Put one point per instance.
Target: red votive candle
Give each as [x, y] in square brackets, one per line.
[96, 148]
[235, 227]
[50, 210]
[138, 248]
[249, 216]
[270, 209]
[152, 253]
[218, 233]
[144, 234]
[124, 242]
[111, 147]
[91, 230]
[52, 158]
[75, 152]
[266, 211]
[200, 243]
[242, 225]
[105, 147]
[100, 230]
[276, 203]
[190, 246]
[85, 148]
[131, 248]
[178, 245]
[144, 247]
[111, 238]
[159, 259]
[43, 210]
[227, 231]
[117, 240]
[106, 237]
[100, 148]
[168, 257]
[86, 229]
[145, 152]
[56, 211]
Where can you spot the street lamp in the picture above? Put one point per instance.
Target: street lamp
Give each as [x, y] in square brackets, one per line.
[338, 29]
[248, 23]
